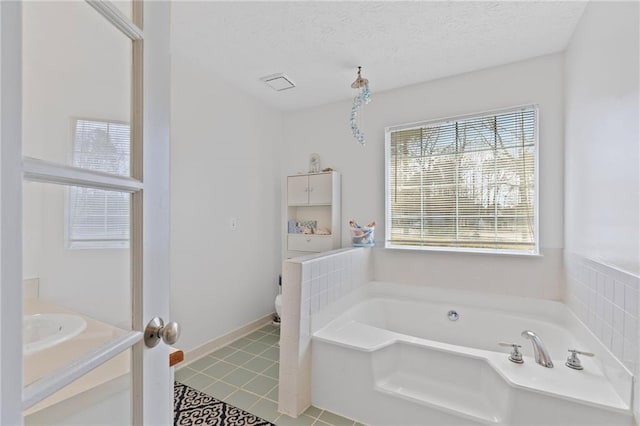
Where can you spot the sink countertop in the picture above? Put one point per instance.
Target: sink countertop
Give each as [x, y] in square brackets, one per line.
[47, 361]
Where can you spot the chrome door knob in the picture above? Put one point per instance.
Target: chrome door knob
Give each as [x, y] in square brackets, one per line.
[156, 330]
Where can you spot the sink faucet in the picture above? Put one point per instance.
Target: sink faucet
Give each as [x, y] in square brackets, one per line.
[539, 351]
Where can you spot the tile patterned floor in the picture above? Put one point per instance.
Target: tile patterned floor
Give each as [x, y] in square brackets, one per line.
[245, 374]
[192, 407]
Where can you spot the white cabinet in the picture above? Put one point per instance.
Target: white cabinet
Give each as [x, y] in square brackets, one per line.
[310, 243]
[315, 190]
[313, 199]
[298, 190]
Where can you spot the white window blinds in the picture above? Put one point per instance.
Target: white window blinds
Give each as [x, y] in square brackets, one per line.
[98, 218]
[464, 184]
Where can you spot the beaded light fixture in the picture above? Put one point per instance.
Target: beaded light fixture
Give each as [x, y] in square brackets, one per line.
[362, 98]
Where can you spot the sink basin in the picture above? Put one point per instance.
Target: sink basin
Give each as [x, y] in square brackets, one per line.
[42, 331]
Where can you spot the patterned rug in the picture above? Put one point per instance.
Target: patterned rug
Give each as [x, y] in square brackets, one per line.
[192, 407]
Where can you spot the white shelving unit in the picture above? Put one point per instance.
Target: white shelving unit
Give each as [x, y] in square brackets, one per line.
[313, 197]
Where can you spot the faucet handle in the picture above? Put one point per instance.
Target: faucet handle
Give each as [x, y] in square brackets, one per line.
[575, 351]
[573, 361]
[515, 355]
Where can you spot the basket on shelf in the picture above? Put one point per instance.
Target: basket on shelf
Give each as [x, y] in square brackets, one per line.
[362, 236]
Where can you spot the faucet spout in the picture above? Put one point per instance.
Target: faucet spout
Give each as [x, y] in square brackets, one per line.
[539, 350]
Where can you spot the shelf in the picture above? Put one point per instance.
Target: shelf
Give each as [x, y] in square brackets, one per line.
[313, 197]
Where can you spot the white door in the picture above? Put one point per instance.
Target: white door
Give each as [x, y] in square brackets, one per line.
[84, 228]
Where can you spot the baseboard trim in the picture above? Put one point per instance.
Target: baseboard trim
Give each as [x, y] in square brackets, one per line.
[31, 288]
[224, 340]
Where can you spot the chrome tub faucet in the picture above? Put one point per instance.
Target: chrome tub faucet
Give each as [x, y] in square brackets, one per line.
[539, 350]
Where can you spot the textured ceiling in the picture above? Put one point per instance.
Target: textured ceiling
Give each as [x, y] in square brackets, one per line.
[320, 44]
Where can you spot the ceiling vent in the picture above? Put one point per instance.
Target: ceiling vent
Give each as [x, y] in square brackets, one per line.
[278, 82]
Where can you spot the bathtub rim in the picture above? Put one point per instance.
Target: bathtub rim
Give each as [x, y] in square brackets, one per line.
[613, 369]
[383, 289]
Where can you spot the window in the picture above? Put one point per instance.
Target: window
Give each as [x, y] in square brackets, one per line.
[464, 184]
[98, 218]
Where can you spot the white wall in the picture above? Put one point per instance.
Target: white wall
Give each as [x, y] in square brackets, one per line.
[225, 149]
[64, 77]
[325, 130]
[602, 178]
[602, 150]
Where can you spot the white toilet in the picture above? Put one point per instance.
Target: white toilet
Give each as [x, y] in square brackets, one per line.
[278, 304]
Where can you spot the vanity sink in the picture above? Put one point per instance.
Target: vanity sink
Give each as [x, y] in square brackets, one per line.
[42, 331]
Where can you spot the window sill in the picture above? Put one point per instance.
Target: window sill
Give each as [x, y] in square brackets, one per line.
[509, 253]
[97, 245]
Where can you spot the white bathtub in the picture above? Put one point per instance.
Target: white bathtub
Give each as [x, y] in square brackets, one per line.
[387, 354]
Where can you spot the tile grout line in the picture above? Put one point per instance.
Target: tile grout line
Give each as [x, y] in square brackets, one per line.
[241, 365]
[231, 371]
[220, 379]
[275, 332]
[246, 390]
[228, 362]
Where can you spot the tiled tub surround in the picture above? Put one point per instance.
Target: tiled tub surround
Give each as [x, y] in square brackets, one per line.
[390, 348]
[606, 300]
[309, 285]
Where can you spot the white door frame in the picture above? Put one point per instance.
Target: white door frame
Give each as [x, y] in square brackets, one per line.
[153, 384]
[10, 213]
[152, 394]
